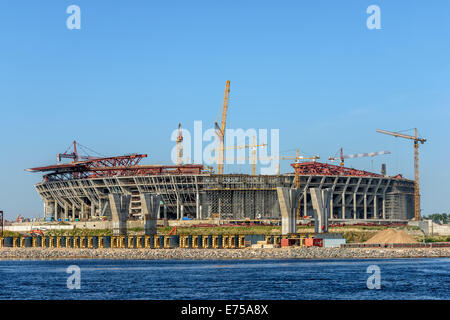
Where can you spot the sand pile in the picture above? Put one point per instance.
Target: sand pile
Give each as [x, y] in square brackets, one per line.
[391, 236]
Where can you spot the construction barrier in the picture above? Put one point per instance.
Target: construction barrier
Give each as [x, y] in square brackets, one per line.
[276, 240]
[171, 242]
[68, 242]
[122, 242]
[131, 242]
[58, 242]
[269, 239]
[184, 241]
[241, 242]
[22, 242]
[149, 242]
[207, 242]
[215, 242]
[159, 242]
[197, 242]
[90, 242]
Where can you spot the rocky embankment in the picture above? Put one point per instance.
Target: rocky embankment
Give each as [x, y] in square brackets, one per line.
[216, 254]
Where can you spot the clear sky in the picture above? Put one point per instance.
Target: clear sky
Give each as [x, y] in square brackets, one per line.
[135, 69]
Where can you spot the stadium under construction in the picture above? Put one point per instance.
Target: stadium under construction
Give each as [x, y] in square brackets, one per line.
[79, 191]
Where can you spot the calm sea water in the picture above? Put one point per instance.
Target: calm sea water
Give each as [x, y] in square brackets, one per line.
[250, 279]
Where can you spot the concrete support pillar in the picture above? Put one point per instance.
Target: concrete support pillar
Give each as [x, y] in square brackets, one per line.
[92, 210]
[354, 207]
[165, 212]
[150, 205]
[66, 211]
[120, 205]
[375, 208]
[288, 199]
[331, 206]
[178, 208]
[82, 211]
[384, 206]
[200, 213]
[56, 216]
[320, 199]
[343, 205]
[73, 212]
[197, 205]
[305, 203]
[182, 212]
[365, 206]
[100, 209]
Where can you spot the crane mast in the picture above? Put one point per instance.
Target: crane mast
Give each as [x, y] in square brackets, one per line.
[416, 140]
[179, 146]
[220, 131]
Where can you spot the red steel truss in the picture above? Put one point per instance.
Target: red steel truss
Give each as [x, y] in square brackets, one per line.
[325, 169]
[112, 166]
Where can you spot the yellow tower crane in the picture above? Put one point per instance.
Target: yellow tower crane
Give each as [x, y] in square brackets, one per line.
[416, 140]
[179, 146]
[220, 131]
[252, 146]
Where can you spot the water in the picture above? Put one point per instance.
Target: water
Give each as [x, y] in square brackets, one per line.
[244, 279]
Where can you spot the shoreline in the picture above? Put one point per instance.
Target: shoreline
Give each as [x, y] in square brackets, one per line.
[314, 253]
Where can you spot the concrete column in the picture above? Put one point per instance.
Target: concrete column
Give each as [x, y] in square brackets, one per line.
[305, 203]
[200, 213]
[288, 200]
[182, 212]
[66, 211]
[354, 207]
[55, 215]
[197, 205]
[92, 210]
[343, 205]
[165, 212]
[178, 208]
[384, 207]
[150, 205]
[320, 199]
[82, 211]
[331, 205]
[120, 205]
[365, 206]
[375, 209]
[73, 212]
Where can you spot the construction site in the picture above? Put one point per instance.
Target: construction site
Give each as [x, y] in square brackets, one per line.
[81, 190]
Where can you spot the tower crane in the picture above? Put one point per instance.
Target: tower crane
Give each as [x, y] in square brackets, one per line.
[252, 146]
[74, 155]
[220, 131]
[356, 155]
[416, 140]
[179, 146]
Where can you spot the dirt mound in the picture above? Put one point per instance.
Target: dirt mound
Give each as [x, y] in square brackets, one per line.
[391, 236]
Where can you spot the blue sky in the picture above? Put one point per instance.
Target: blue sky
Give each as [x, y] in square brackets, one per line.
[135, 69]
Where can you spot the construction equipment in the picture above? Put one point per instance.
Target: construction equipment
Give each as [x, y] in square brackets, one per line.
[73, 155]
[252, 146]
[179, 146]
[220, 131]
[416, 140]
[356, 155]
[296, 158]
